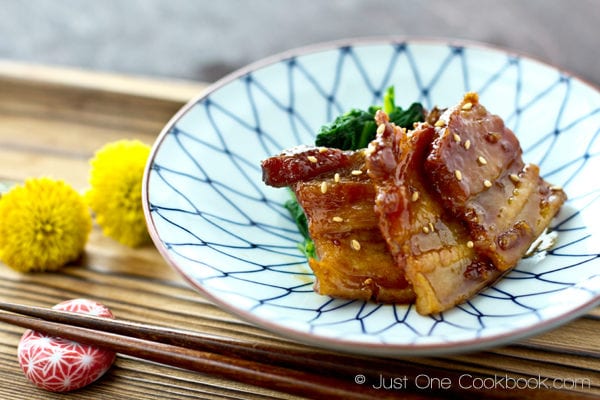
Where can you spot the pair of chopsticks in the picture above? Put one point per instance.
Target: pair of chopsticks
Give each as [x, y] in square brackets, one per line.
[309, 373]
[297, 370]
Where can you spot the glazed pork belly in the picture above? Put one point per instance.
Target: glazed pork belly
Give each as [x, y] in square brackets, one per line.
[335, 191]
[456, 203]
[476, 168]
[433, 246]
[431, 215]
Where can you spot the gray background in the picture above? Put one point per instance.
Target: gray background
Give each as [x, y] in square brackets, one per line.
[204, 40]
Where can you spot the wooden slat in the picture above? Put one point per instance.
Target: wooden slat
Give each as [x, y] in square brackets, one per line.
[580, 337]
[51, 122]
[172, 90]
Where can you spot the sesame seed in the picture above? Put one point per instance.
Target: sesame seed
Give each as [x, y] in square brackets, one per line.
[470, 244]
[415, 195]
[337, 219]
[487, 183]
[431, 227]
[467, 106]
[312, 159]
[380, 129]
[555, 187]
[456, 138]
[425, 229]
[355, 244]
[324, 187]
[439, 123]
[336, 177]
[515, 178]
[322, 149]
[467, 144]
[481, 160]
[356, 172]
[458, 175]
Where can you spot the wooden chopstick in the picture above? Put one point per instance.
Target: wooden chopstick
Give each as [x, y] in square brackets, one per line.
[305, 359]
[312, 385]
[306, 372]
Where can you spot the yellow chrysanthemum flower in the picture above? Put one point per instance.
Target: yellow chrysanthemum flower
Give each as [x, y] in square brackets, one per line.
[44, 224]
[115, 195]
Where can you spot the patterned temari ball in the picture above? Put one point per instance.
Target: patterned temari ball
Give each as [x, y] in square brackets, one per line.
[61, 365]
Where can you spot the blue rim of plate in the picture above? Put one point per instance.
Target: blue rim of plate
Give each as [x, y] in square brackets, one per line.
[208, 123]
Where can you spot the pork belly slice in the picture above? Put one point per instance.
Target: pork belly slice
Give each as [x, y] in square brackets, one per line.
[477, 170]
[357, 265]
[338, 200]
[303, 163]
[434, 246]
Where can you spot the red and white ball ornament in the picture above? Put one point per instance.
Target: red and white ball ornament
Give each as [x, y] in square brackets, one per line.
[61, 365]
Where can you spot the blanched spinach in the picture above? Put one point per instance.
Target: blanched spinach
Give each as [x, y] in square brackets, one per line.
[354, 129]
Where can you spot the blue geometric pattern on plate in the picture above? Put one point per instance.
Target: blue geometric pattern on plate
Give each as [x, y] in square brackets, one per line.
[228, 234]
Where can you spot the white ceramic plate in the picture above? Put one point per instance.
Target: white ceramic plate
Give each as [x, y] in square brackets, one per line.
[228, 234]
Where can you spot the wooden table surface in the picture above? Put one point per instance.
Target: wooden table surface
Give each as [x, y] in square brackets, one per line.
[51, 122]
